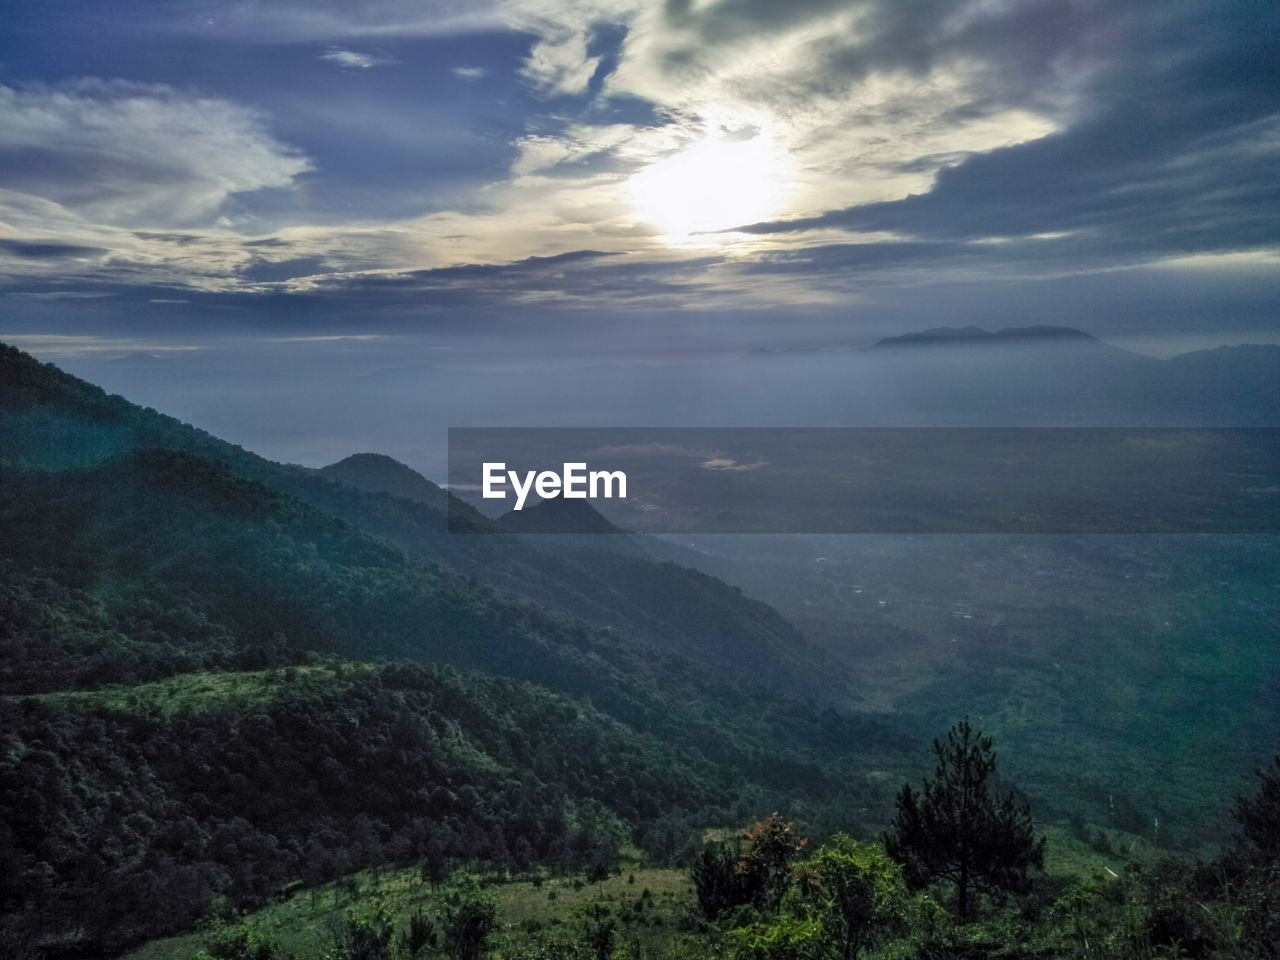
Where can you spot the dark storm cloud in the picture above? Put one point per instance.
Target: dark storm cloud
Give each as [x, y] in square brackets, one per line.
[535, 285]
[269, 271]
[1015, 44]
[1176, 153]
[177, 239]
[40, 250]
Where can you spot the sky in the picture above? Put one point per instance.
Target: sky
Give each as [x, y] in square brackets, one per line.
[607, 178]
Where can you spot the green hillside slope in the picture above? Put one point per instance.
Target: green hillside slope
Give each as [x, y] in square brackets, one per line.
[51, 420]
[215, 682]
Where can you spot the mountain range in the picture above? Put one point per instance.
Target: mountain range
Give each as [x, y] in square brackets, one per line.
[957, 336]
[1027, 376]
[220, 675]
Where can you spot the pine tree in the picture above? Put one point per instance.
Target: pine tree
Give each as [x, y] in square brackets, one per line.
[955, 830]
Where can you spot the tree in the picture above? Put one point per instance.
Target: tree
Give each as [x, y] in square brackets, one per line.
[598, 871]
[784, 937]
[955, 830]
[1258, 856]
[435, 866]
[522, 854]
[773, 846]
[419, 936]
[238, 944]
[364, 938]
[598, 932]
[1259, 816]
[467, 926]
[856, 892]
[719, 882]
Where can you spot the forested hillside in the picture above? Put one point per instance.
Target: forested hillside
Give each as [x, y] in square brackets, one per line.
[193, 711]
[51, 420]
[224, 681]
[213, 788]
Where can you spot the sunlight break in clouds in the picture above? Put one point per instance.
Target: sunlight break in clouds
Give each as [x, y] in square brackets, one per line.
[721, 181]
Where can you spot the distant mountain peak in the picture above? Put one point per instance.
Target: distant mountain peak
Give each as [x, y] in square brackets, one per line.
[379, 473]
[373, 460]
[974, 334]
[1043, 331]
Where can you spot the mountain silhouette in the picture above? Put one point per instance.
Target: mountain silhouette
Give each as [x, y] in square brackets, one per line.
[976, 335]
[557, 515]
[53, 421]
[379, 473]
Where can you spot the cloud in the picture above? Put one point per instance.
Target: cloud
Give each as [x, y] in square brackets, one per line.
[1176, 151]
[51, 295]
[941, 142]
[47, 242]
[140, 155]
[70, 346]
[572, 145]
[731, 465]
[576, 281]
[354, 60]
[309, 20]
[560, 64]
[44, 250]
[539, 153]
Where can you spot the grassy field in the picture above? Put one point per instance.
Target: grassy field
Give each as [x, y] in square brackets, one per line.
[649, 903]
[303, 923]
[209, 692]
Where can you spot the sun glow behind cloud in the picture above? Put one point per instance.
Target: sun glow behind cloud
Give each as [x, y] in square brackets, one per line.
[722, 181]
